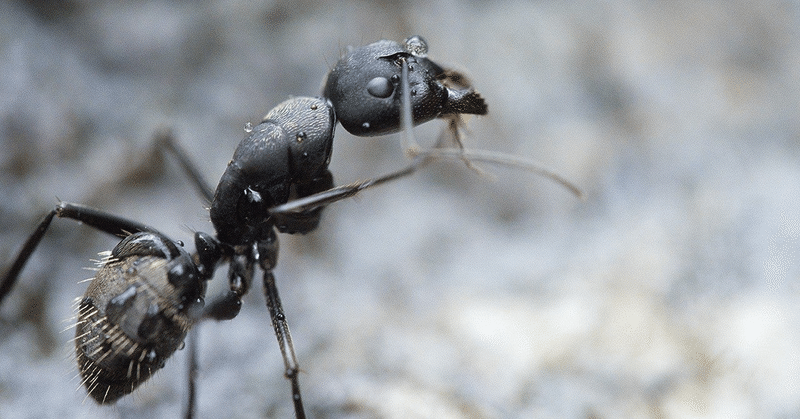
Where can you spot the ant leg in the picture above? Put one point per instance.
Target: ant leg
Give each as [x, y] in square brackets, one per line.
[267, 250]
[100, 220]
[192, 373]
[240, 275]
[284, 340]
[223, 308]
[30, 245]
[166, 141]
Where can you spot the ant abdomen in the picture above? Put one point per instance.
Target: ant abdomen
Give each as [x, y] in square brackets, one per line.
[135, 314]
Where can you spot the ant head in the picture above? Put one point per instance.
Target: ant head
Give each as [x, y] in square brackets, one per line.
[367, 84]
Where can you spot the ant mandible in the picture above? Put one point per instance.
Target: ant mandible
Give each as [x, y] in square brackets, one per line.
[150, 291]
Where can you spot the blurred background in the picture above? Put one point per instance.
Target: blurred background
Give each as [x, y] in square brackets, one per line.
[671, 291]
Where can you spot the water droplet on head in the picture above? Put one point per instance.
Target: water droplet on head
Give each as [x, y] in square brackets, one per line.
[300, 136]
[248, 127]
[416, 45]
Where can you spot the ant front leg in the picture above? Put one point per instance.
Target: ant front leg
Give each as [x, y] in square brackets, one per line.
[166, 141]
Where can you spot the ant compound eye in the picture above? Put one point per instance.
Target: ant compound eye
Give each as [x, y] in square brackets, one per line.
[416, 46]
[380, 87]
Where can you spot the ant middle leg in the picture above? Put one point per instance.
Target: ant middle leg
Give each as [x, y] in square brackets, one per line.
[224, 307]
[165, 141]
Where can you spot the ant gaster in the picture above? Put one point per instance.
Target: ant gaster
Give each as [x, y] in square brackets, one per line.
[149, 291]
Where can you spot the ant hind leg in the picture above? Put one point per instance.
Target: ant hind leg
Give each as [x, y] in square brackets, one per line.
[95, 218]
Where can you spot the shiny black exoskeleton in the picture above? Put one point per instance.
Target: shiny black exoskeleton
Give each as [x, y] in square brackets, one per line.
[149, 292]
[133, 316]
[366, 88]
[286, 155]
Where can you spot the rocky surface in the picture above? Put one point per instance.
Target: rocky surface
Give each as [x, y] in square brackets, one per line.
[669, 292]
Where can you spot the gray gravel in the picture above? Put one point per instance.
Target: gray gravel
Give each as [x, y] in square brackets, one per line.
[671, 291]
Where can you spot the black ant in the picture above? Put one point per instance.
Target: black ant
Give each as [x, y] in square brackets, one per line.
[149, 291]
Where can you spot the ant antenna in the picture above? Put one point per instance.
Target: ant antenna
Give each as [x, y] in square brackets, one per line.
[439, 151]
[422, 159]
[410, 144]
